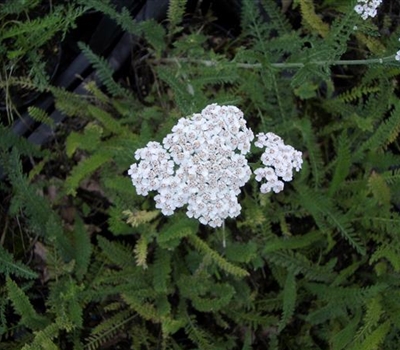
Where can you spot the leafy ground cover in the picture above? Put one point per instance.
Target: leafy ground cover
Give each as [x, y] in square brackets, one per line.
[86, 262]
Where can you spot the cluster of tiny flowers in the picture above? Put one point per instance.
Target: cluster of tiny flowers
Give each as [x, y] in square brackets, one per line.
[397, 57]
[279, 160]
[367, 8]
[201, 164]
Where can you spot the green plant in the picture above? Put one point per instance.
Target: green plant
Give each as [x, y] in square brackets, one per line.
[313, 267]
[29, 45]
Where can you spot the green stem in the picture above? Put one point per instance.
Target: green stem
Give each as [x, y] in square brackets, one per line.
[284, 65]
[336, 63]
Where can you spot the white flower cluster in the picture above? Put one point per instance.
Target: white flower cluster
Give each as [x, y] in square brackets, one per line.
[279, 160]
[201, 164]
[367, 8]
[397, 57]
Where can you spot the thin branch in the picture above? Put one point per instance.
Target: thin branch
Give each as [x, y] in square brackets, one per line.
[283, 65]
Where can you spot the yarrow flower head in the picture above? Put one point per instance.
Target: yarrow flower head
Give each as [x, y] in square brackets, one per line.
[279, 160]
[202, 164]
[367, 8]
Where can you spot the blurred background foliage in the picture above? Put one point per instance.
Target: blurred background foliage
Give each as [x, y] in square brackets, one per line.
[86, 263]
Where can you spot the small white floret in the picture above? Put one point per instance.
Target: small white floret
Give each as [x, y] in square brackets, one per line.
[279, 160]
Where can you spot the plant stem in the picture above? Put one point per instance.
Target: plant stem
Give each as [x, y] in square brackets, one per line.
[283, 65]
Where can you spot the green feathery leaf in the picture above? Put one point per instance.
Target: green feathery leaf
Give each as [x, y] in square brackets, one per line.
[9, 266]
[104, 71]
[161, 270]
[84, 169]
[222, 263]
[83, 248]
[289, 300]
[23, 307]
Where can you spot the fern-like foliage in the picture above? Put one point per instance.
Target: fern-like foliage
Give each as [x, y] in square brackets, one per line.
[82, 248]
[32, 34]
[315, 156]
[85, 168]
[312, 19]
[172, 234]
[109, 123]
[380, 190]
[298, 263]
[324, 212]
[281, 23]
[197, 335]
[9, 140]
[23, 307]
[141, 251]
[162, 270]
[371, 319]
[204, 296]
[16, 7]
[69, 103]
[342, 338]
[44, 338]
[293, 242]
[40, 116]
[289, 300]
[155, 33]
[343, 164]
[388, 252]
[216, 258]
[35, 207]
[89, 141]
[176, 9]
[241, 252]
[8, 266]
[140, 217]
[119, 255]
[146, 310]
[107, 329]
[104, 72]
[183, 91]
[122, 17]
[376, 338]
[385, 133]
